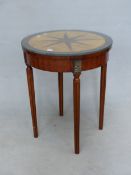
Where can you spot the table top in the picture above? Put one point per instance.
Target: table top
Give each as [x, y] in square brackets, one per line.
[66, 42]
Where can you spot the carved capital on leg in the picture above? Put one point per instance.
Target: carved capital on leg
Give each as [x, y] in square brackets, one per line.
[77, 67]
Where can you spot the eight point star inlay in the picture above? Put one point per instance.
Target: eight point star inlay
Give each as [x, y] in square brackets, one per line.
[68, 41]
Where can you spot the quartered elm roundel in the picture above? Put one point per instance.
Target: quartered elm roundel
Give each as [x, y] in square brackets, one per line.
[67, 42]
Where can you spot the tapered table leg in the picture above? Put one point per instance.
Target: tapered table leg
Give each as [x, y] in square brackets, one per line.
[102, 95]
[76, 94]
[60, 86]
[30, 80]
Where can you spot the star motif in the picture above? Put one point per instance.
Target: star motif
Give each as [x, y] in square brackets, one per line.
[68, 41]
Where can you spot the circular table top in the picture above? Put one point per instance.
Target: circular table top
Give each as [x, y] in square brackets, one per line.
[66, 42]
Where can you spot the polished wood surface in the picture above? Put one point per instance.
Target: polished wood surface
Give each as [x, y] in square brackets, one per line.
[102, 95]
[30, 80]
[65, 63]
[76, 97]
[60, 85]
[66, 41]
[62, 63]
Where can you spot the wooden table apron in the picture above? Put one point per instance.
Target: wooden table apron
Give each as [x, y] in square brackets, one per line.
[66, 63]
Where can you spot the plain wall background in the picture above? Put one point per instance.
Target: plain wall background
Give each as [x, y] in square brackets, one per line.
[105, 153]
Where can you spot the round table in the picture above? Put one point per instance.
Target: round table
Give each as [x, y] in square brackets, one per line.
[67, 51]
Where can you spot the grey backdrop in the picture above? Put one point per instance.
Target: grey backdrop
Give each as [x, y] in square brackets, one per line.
[104, 152]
